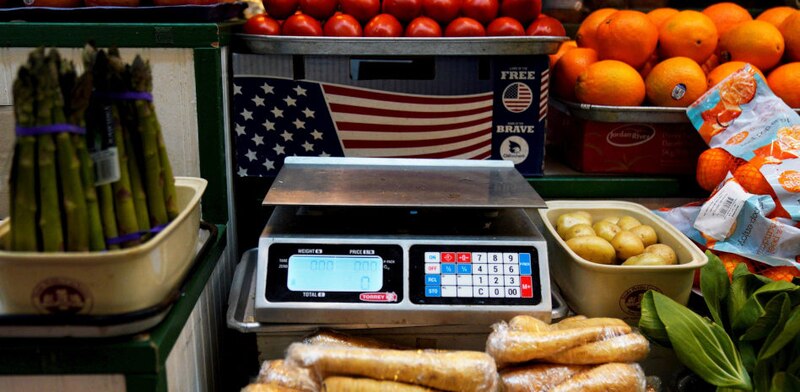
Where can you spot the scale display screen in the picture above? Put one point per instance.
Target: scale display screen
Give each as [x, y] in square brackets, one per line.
[334, 273]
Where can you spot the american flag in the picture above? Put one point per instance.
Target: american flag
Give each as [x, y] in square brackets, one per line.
[275, 118]
[517, 97]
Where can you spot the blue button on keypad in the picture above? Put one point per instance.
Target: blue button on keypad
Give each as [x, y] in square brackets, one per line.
[465, 268]
[448, 268]
[434, 280]
[433, 291]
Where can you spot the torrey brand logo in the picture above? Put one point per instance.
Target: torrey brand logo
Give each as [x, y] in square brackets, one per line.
[61, 295]
[630, 135]
[378, 297]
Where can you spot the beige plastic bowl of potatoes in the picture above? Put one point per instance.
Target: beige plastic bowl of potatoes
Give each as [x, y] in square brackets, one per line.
[606, 286]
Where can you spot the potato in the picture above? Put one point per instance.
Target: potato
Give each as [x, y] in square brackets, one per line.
[665, 251]
[593, 248]
[565, 221]
[646, 259]
[585, 214]
[606, 230]
[579, 230]
[613, 219]
[646, 233]
[627, 244]
[627, 222]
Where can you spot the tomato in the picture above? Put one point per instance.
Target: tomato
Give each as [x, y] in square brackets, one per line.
[423, 26]
[383, 25]
[505, 25]
[546, 25]
[362, 10]
[320, 9]
[483, 11]
[301, 24]
[343, 25]
[464, 27]
[442, 11]
[403, 10]
[262, 24]
[280, 9]
[521, 10]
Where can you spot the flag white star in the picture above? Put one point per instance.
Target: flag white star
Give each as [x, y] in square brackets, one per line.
[251, 155]
[286, 136]
[258, 101]
[269, 125]
[270, 165]
[258, 140]
[299, 90]
[279, 149]
[267, 88]
[324, 154]
[242, 172]
[237, 90]
[277, 112]
[309, 113]
[240, 130]
[317, 135]
[308, 146]
[290, 101]
[248, 115]
[299, 124]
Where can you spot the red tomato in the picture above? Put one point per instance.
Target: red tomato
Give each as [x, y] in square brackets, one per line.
[383, 25]
[320, 9]
[505, 25]
[442, 11]
[403, 10]
[343, 25]
[423, 26]
[483, 11]
[262, 24]
[362, 10]
[301, 24]
[521, 10]
[280, 9]
[546, 25]
[464, 27]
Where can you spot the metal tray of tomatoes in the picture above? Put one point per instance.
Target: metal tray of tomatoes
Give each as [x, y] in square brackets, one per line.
[402, 46]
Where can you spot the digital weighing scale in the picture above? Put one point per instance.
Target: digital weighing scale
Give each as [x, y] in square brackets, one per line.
[400, 242]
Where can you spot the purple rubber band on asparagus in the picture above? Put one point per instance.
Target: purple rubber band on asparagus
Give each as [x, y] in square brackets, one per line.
[126, 96]
[134, 236]
[48, 129]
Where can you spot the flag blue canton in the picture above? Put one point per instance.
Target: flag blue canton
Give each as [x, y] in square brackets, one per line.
[276, 118]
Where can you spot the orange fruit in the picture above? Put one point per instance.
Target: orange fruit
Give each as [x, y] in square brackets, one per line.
[563, 48]
[776, 15]
[585, 36]
[627, 36]
[723, 70]
[689, 34]
[784, 272]
[610, 82]
[727, 16]
[790, 28]
[751, 179]
[785, 83]
[568, 68]
[732, 260]
[660, 15]
[645, 69]
[710, 63]
[713, 166]
[676, 82]
[756, 42]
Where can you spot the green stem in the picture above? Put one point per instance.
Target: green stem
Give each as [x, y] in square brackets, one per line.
[97, 241]
[123, 198]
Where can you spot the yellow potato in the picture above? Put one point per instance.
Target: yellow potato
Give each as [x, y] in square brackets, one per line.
[612, 219]
[646, 233]
[627, 222]
[579, 230]
[585, 214]
[627, 244]
[665, 251]
[593, 248]
[646, 259]
[606, 230]
[565, 221]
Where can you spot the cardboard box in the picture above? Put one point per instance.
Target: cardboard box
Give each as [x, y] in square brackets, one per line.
[467, 107]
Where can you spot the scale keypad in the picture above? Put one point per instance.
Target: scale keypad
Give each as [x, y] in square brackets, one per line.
[478, 275]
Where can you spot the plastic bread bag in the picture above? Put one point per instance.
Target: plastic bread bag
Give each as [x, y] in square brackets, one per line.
[350, 384]
[258, 387]
[446, 370]
[632, 347]
[326, 336]
[618, 377]
[281, 373]
[537, 377]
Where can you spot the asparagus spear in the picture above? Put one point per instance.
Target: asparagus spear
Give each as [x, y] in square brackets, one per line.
[50, 216]
[74, 200]
[23, 176]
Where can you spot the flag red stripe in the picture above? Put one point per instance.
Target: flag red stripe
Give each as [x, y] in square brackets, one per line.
[382, 96]
[342, 108]
[412, 143]
[351, 126]
[447, 154]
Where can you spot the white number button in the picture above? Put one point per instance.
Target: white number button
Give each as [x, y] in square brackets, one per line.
[496, 292]
[480, 280]
[479, 258]
[496, 281]
[512, 292]
[480, 292]
[511, 269]
[495, 269]
[511, 280]
[495, 258]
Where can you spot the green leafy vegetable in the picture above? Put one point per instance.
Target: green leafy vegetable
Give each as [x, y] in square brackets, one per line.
[715, 286]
